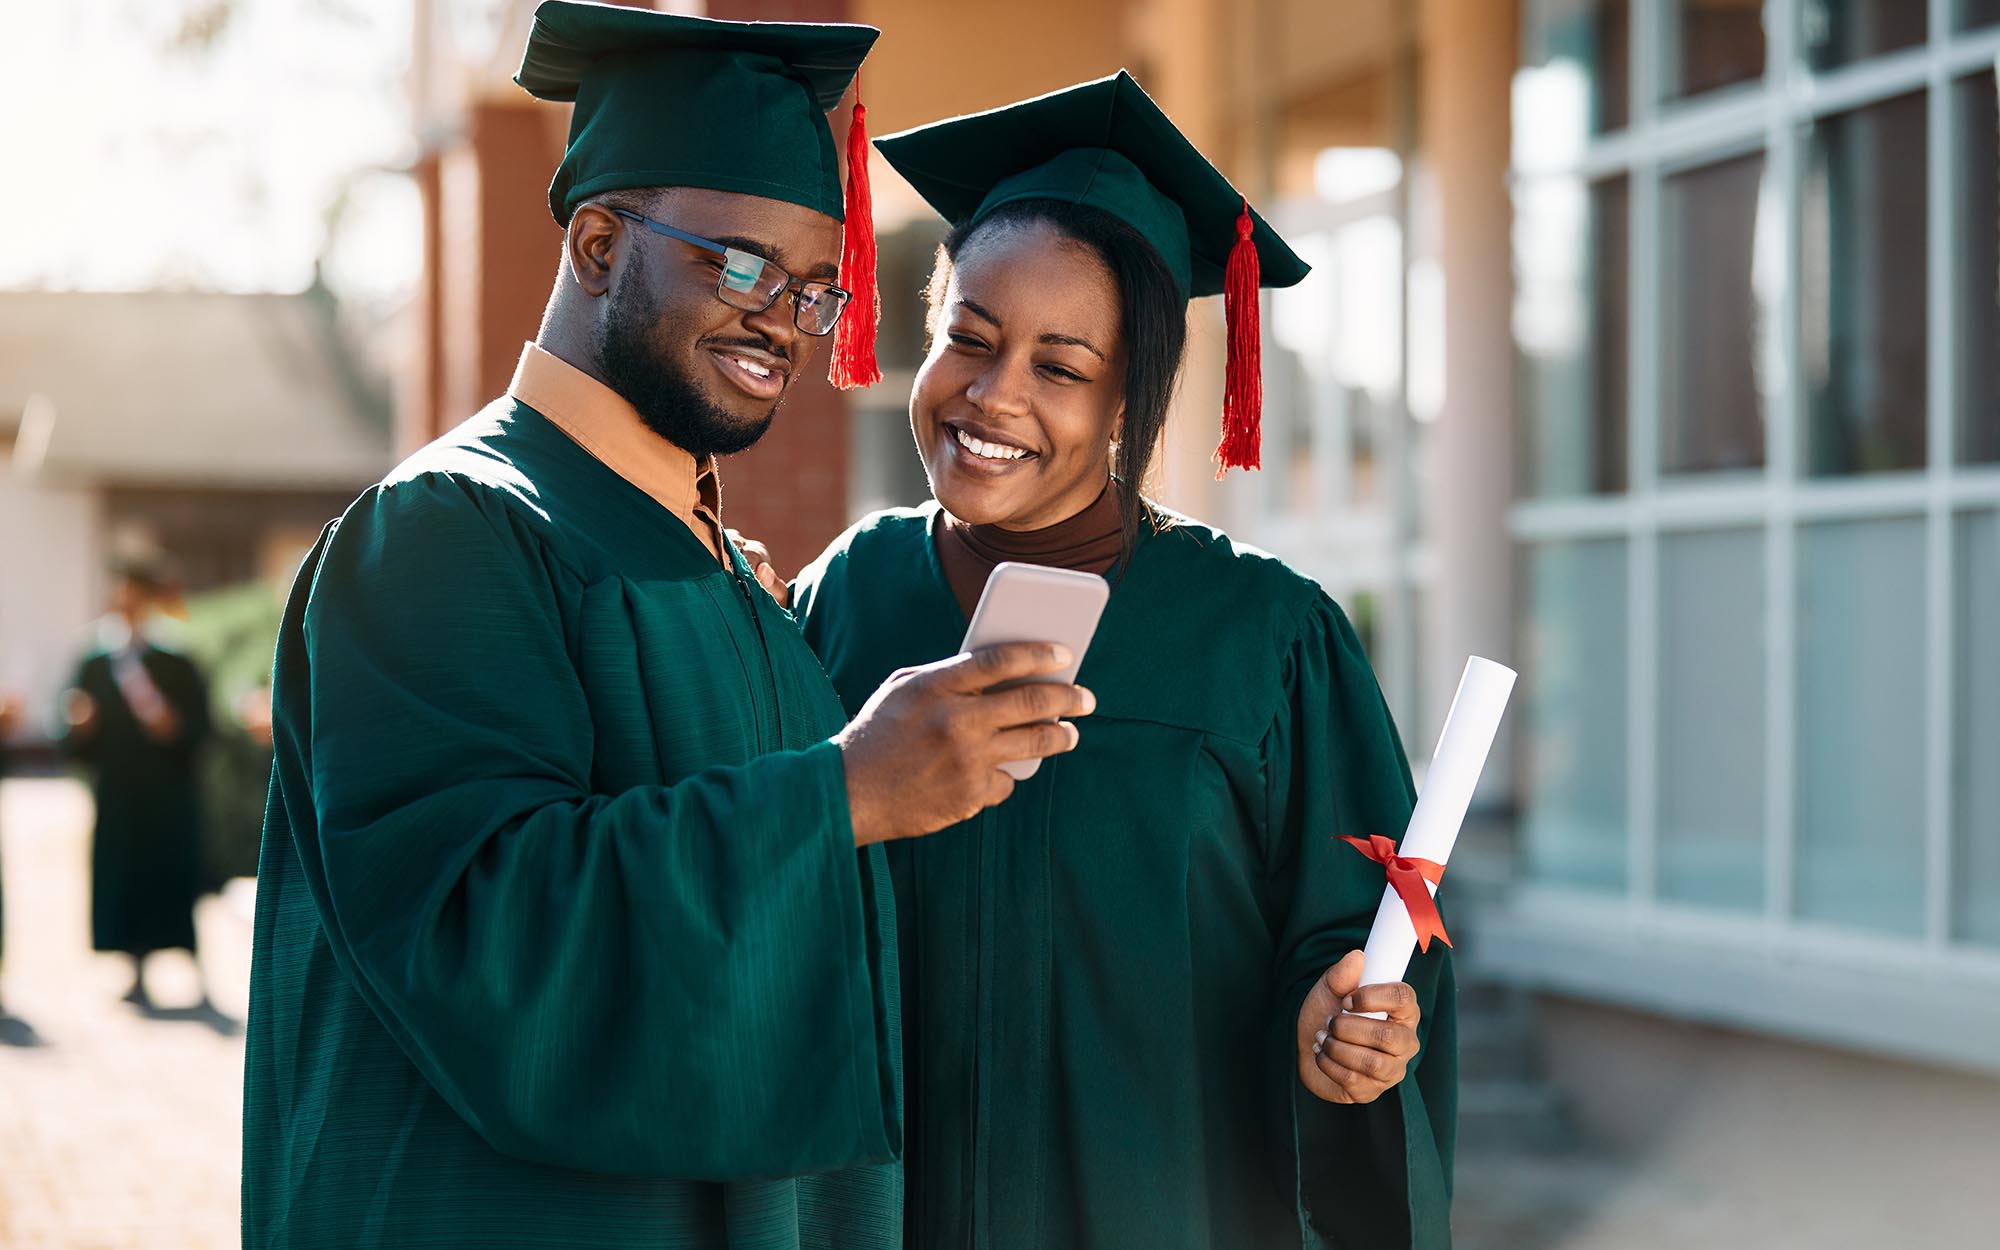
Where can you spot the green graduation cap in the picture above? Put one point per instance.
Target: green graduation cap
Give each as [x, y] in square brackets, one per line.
[1106, 144]
[669, 101]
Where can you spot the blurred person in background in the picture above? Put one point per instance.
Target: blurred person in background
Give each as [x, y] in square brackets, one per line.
[572, 927]
[137, 715]
[1117, 987]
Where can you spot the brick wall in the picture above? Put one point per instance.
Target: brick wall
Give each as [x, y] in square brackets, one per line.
[790, 491]
[490, 256]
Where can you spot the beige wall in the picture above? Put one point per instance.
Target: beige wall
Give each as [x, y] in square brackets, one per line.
[935, 60]
[939, 60]
[1314, 42]
[49, 569]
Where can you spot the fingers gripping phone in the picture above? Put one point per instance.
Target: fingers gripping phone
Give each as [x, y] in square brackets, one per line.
[1030, 603]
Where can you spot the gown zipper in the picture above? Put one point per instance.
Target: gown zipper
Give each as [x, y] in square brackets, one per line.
[771, 737]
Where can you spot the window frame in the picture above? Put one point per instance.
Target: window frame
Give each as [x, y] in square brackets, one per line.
[1773, 115]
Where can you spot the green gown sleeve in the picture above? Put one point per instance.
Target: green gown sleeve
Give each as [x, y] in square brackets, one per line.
[669, 981]
[1379, 1175]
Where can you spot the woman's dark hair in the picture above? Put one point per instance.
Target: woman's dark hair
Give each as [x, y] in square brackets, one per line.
[1153, 319]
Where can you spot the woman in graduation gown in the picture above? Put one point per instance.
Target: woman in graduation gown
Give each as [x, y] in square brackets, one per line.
[137, 713]
[1115, 984]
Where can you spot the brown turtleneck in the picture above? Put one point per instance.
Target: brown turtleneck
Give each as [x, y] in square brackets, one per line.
[1090, 541]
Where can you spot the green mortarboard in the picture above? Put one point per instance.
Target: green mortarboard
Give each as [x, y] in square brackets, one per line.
[1106, 144]
[669, 101]
[1103, 143]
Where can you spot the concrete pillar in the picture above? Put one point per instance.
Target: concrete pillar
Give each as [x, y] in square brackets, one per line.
[420, 387]
[1185, 49]
[1468, 60]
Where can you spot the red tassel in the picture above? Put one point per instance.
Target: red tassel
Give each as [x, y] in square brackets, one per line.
[854, 338]
[1243, 377]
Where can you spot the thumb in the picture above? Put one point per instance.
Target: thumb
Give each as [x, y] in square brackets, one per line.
[1344, 977]
[1325, 999]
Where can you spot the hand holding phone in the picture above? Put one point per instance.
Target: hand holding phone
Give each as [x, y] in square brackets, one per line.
[1030, 603]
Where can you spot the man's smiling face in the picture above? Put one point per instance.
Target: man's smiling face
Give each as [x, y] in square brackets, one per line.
[704, 375]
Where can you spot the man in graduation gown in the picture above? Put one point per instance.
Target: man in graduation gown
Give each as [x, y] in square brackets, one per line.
[562, 936]
[137, 715]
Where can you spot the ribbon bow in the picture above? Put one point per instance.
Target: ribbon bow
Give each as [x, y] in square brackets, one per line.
[1407, 877]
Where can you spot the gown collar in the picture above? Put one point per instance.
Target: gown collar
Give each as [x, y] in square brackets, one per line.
[606, 425]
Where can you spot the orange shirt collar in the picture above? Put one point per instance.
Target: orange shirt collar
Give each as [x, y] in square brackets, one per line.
[603, 423]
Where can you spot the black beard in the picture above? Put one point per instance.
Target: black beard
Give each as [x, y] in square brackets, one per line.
[669, 401]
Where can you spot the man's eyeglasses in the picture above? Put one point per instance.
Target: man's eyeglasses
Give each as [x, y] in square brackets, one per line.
[751, 283]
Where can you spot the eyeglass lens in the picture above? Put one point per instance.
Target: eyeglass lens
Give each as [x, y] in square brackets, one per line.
[753, 284]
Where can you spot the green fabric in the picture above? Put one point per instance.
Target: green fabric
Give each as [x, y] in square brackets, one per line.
[561, 936]
[145, 854]
[669, 101]
[1103, 143]
[1102, 975]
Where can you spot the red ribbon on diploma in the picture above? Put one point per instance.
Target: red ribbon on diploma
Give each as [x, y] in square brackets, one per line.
[1407, 876]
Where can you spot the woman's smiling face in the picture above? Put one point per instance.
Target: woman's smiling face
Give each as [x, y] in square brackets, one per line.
[1021, 395]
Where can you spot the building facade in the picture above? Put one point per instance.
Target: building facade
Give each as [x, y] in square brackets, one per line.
[226, 429]
[1650, 347]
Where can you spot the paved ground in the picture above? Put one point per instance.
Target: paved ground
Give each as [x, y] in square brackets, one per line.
[1694, 1136]
[117, 1131]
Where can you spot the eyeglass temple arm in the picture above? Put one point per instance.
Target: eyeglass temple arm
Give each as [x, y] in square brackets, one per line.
[660, 227]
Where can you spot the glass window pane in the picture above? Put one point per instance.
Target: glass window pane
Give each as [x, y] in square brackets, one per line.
[1976, 863]
[1976, 176]
[1715, 316]
[1570, 311]
[1711, 826]
[1837, 32]
[1862, 302]
[1978, 13]
[1861, 724]
[1580, 51]
[1715, 43]
[1574, 716]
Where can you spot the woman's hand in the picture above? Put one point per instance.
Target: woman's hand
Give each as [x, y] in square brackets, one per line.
[1359, 1058]
[759, 558]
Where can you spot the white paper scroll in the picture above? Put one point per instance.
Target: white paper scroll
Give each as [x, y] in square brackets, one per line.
[1455, 766]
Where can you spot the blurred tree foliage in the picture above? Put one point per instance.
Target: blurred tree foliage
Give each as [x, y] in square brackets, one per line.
[232, 633]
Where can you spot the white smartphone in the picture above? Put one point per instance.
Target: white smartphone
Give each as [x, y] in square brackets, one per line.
[1030, 603]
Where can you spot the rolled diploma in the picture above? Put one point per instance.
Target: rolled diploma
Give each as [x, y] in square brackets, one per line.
[1461, 753]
